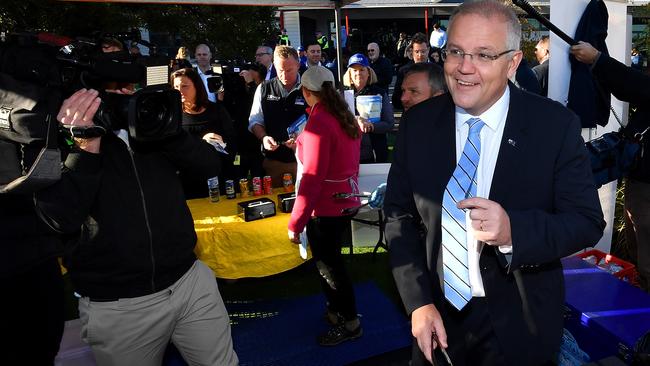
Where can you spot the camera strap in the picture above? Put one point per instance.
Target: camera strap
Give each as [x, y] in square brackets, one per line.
[46, 169]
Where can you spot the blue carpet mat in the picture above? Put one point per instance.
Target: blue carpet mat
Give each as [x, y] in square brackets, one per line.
[283, 332]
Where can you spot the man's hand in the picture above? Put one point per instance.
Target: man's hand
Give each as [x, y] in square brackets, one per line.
[213, 136]
[269, 143]
[584, 52]
[79, 110]
[424, 321]
[490, 221]
[364, 125]
[246, 74]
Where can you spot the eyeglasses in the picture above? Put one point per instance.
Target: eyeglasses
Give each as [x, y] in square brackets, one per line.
[370, 51]
[261, 54]
[456, 56]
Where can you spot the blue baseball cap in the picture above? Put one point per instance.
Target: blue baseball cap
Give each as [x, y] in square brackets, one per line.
[358, 59]
[301, 48]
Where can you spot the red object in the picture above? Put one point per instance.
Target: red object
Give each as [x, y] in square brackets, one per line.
[257, 186]
[54, 39]
[347, 25]
[628, 273]
[281, 20]
[330, 159]
[426, 21]
[268, 188]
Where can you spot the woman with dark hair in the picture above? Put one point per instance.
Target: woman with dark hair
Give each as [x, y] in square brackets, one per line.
[206, 120]
[327, 152]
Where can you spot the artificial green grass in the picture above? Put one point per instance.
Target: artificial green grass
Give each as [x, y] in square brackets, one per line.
[362, 266]
[303, 280]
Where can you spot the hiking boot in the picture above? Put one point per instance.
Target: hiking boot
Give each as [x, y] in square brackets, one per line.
[338, 334]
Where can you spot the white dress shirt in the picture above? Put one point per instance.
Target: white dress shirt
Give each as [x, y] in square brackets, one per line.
[211, 96]
[491, 134]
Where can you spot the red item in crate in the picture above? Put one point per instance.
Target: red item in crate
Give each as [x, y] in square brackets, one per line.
[609, 263]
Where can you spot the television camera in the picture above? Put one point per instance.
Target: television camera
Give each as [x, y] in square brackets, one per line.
[37, 71]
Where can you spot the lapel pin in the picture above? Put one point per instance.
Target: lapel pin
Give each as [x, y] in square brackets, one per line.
[512, 142]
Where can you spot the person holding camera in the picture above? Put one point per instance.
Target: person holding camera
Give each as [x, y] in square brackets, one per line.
[629, 85]
[206, 120]
[131, 248]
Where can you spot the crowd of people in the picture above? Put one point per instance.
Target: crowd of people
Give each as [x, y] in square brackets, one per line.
[476, 263]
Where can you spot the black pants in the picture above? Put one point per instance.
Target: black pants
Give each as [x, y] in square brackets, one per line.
[325, 236]
[32, 309]
[470, 338]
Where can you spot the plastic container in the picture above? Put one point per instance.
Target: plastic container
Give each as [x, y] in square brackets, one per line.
[619, 268]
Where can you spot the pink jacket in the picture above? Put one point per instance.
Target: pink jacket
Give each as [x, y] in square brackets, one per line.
[330, 160]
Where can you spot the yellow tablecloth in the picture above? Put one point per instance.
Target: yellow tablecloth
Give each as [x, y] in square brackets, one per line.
[234, 248]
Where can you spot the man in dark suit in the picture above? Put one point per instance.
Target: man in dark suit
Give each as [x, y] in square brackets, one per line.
[542, 53]
[540, 204]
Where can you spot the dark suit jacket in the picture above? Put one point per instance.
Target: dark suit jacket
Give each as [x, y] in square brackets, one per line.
[542, 179]
[541, 72]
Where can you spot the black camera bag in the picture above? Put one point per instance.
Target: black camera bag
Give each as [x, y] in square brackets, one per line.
[28, 136]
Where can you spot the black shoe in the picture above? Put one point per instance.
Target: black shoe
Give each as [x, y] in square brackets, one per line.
[338, 334]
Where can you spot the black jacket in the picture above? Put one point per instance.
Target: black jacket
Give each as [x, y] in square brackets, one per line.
[633, 86]
[26, 240]
[588, 99]
[134, 232]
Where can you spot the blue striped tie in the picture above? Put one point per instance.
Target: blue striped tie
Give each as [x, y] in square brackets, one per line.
[461, 185]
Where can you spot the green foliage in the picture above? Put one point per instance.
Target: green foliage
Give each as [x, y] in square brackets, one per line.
[233, 30]
[642, 42]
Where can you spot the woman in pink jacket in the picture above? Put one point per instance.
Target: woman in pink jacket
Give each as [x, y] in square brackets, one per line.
[328, 150]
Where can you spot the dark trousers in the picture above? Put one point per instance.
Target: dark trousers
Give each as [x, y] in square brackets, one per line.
[325, 236]
[470, 337]
[32, 309]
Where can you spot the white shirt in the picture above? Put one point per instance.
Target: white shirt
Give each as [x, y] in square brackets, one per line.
[438, 38]
[211, 96]
[491, 134]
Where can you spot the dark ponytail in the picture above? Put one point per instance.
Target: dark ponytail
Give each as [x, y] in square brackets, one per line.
[336, 106]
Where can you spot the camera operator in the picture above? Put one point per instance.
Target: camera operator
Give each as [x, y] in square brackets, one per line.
[32, 286]
[633, 86]
[132, 257]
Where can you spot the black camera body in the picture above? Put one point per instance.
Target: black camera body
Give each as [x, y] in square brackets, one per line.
[37, 72]
[81, 64]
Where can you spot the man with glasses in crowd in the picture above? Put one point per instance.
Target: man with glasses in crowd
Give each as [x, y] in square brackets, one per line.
[381, 65]
[264, 57]
[483, 279]
[420, 50]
